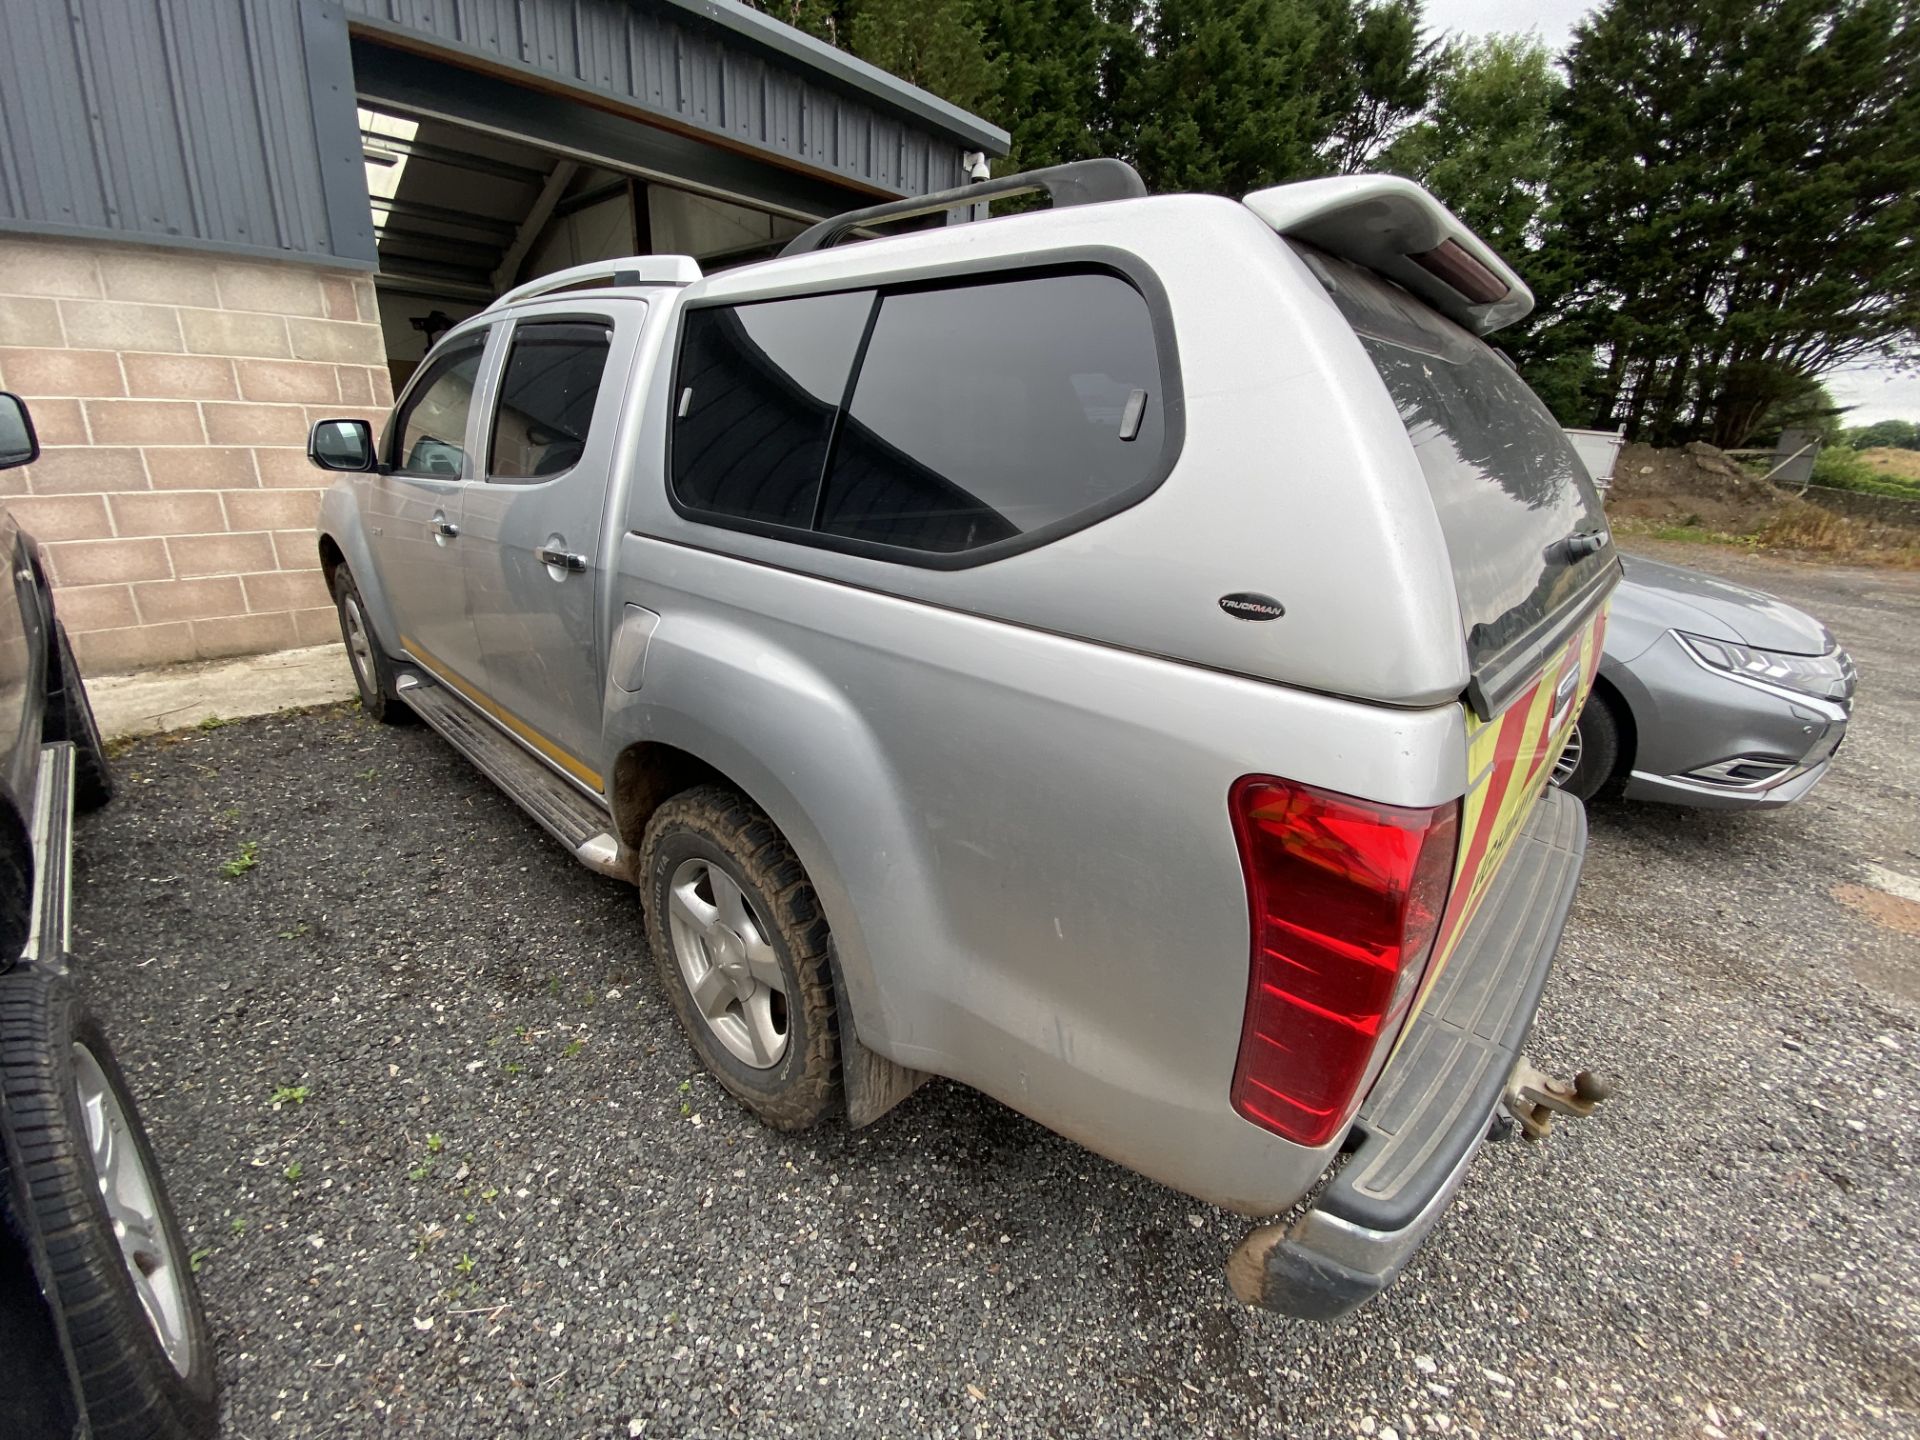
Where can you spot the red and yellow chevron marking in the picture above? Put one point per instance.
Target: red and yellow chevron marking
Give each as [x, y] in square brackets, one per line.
[1508, 760]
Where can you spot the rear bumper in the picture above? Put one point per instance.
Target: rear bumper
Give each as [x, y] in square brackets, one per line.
[1430, 1109]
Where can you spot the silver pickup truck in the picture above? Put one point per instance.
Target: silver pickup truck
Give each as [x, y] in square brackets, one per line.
[1111, 656]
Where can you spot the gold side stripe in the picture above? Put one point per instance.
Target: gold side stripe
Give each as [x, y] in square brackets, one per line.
[574, 766]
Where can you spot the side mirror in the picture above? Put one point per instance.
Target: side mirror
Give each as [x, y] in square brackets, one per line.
[18, 444]
[341, 445]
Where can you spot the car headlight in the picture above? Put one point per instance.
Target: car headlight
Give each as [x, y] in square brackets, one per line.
[1825, 677]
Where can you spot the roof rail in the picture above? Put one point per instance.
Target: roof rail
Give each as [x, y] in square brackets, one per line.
[633, 270]
[1081, 182]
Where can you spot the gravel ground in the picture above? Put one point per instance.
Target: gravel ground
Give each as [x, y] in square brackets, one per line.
[507, 1202]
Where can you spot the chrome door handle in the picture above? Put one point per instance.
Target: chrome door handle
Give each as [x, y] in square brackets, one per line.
[446, 528]
[564, 559]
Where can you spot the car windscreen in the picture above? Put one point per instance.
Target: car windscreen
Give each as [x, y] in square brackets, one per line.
[1505, 480]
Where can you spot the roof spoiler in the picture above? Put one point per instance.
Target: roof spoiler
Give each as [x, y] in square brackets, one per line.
[1396, 228]
[1081, 182]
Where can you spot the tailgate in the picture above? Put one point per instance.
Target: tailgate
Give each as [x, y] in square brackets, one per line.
[1509, 759]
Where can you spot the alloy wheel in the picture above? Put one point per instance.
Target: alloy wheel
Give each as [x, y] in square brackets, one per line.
[129, 1192]
[732, 973]
[1569, 760]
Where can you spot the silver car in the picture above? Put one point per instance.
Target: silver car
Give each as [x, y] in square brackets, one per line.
[1710, 694]
[1110, 656]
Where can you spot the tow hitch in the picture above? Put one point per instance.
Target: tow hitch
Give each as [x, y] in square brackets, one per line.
[1534, 1097]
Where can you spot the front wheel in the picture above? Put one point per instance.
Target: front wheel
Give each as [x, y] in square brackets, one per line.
[737, 935]
[1593, 751]
[373, 673]
[119, 1272]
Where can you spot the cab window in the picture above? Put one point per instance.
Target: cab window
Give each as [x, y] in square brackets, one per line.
[548, 394]
[430, 432]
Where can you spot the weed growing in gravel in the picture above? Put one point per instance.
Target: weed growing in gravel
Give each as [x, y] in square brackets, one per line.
[213, 722]
[248, 857]
[420, 1171]
[289, 1095]
[239, 1225]
[435, 1144]
[293, 1172]
[464, 1264]
[370, 774]
[513, 1067]
[228, 815]
[489, 1194]
[574, 1047]
[120, 745]
[295, 932]
[553, 986]
[193, 1260]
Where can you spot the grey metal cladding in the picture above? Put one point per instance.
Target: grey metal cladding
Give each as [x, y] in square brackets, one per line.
[711, 69]
[178, 122]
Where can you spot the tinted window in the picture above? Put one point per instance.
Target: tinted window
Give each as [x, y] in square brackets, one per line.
[431, 428]
[547, 398]
[758, 388]
[988, 411]
[1505, 480]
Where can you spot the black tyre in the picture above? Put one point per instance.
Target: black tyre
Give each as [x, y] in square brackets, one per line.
[736, 931]
[1592, 757]
[119, 1271]
[72, 714]
[372, 670]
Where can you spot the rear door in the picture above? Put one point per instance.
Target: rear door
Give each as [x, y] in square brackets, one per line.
[535, 543]
[414, 513]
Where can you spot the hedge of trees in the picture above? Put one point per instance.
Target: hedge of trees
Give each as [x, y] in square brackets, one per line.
[1716, 201]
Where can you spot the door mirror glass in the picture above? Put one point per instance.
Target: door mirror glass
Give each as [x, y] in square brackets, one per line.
[341, 445]
[18, 446]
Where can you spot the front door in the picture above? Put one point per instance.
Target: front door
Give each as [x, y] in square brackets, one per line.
[537, 536]
[413, 514]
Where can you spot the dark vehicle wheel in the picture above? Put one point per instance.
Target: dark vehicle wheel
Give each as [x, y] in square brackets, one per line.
[119, 1271]
[741, 946]
[73, 720]
[1593, 752]
[372, 671]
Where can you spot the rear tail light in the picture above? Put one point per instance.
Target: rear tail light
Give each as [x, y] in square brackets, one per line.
[1346, 897]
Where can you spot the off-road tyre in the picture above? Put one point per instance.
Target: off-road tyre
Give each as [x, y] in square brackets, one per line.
[725, 828]
[132, 1391]
[72, 715]
[1599, 731]
[373, 673]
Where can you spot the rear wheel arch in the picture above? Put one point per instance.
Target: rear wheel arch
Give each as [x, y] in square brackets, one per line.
[649, 773]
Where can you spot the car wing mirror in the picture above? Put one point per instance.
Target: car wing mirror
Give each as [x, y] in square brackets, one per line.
[18, 444]
[341, 445]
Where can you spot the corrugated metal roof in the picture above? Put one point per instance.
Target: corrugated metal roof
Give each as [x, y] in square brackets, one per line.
[231, 124]
[184, 121]
[712, 68]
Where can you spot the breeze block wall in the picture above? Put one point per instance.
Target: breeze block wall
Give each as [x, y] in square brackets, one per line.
[172, 391]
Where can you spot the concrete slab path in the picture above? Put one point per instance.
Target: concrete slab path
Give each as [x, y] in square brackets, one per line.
[176, 696]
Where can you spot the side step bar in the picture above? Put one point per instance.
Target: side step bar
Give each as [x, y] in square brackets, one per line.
[562, 811]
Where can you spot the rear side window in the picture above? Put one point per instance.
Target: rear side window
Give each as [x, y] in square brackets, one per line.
[759, 387]
[978, 414]
[431, 428]
[547, 398]
[984, 412]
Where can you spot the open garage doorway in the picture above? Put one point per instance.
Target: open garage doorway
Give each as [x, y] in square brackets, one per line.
[461, 215]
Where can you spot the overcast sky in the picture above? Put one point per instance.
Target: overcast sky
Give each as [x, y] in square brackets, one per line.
[1874, 393]
[1552, 20]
